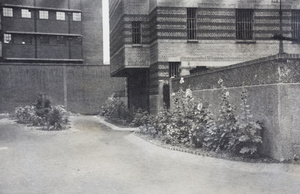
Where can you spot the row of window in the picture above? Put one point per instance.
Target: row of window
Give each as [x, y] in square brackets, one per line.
[244, 25]
[43, 14]
[43, 40]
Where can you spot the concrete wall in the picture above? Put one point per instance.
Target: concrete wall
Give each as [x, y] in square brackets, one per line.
[273, 86]
[83, 89]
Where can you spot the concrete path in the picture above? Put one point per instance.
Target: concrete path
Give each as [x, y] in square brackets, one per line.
[92, 158]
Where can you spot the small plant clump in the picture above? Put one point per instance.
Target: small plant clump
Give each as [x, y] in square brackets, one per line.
[116, 111]
[43, 114]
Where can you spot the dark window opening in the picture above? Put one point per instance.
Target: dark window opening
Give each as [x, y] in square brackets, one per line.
[136, 33]
[27, 39]
[61, 40]
[191, 23]
[296, 24]
[166, 95]
[174, 69]
[244, 24]
[77, 41]
[45, 40]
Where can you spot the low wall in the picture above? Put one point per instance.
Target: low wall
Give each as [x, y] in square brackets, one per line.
[273, 86]
[83, 89]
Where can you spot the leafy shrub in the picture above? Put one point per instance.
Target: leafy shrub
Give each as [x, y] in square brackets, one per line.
[239, 135]
[248, 137]
[43, 114]
[192, 124]
[140, 118]
[27, 115]
[57, 118]
[204, 134]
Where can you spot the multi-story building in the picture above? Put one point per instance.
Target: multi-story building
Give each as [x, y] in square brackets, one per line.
[153, 40]
[54, 47]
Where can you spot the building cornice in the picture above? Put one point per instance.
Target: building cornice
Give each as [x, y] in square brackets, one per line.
[42, 33]
[41, 8]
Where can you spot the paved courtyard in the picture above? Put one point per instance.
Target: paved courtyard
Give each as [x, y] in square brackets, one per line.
[92, 158]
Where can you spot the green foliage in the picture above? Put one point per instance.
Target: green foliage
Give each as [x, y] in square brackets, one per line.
[43, 114]
[239, 135]
[140, 117]
[248, 137]
[192, 124]
[27, 115]
[116, 111]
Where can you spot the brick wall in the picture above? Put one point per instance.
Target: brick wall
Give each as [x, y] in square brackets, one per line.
[273, 87]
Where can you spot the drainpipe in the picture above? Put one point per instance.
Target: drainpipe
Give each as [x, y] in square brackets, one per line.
[280, 23]
[35, 30]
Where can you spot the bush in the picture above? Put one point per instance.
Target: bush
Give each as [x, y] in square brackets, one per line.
[27, 115]
[43, 114]
[116, 111]
[140, 118]
[192, 124]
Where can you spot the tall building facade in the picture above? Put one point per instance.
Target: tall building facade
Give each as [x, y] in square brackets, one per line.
[154, 40]
[54, 47]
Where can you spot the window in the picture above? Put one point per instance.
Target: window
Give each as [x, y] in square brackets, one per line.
[61, 40]
[174, 69]
[8, 12]
[77, 41]
[60, 15]
[76, 16]
[244, 24]
[44, 40]
[296, 24]
[7, 38]
[25, 13]
[27, 39]
[191, 23]
[44, 15]
[136, 33]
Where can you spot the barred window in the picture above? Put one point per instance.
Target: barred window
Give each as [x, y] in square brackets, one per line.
[8, 12]
[61, 40]
[44, 14]
[76, 16]
[7, 38]
[26, 39]
[60, 15]
[244, 24]
[136, 33]
[296, 24]
[45, 40]
[191, 23]
[174, 69]
[25, 13]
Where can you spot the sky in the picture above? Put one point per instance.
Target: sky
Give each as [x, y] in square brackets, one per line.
[105, 8]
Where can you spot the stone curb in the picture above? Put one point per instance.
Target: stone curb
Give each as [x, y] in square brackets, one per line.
[176, 148]
[116, 128]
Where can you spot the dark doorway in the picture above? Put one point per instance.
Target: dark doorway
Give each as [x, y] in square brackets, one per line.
[138, 89]
[166, 95]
